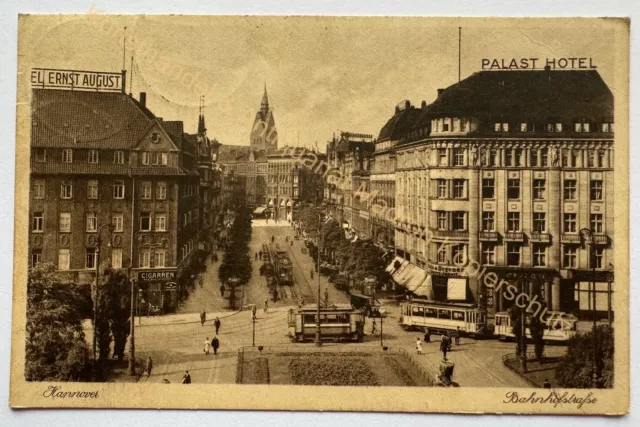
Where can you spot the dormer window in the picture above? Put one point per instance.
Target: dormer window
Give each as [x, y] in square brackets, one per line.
[501, 127]
[582, 127]
[607, 127]
[40, 155]
[67, 155]
[145, 158]
[558, 127]
[93, 156]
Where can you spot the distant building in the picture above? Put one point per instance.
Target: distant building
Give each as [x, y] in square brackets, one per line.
[264, 136]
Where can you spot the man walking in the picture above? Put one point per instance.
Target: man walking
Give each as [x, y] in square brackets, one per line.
[203, 318]
[427, 335]
[222, 290]
[207, 346]
[311, 273]
[266, 305]
[149, 366]
[418, 345]
[374, 329]
[457, 336]
[215, 344]
[186, 379]
[444, 345]
[217, 323]
[326, 297]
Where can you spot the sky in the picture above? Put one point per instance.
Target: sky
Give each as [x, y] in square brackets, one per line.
[323, 75]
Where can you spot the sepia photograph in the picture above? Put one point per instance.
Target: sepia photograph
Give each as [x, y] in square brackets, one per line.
[322, 213]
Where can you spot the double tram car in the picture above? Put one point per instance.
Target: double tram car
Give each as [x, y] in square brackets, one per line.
[282, 265]
[559, 326]
[337, 323]
[440, 318]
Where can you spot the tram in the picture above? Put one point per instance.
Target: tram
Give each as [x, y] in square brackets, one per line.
[558, 327]
[440, 318]
[337, 323]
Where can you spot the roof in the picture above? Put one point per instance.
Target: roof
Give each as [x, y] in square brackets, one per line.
[398, 125]
[82, 119]
[175, 129]
[232, 153]
[105, 169]
[531, 94]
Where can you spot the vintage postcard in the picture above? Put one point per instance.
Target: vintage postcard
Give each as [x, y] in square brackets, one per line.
[322, 213]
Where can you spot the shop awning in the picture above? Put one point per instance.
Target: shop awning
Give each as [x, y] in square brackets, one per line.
[270, 202]
[282, 203]
[259, 210]
[401, 275]
[416, 278]
[289, 203]
[391, 266]
[425, 289]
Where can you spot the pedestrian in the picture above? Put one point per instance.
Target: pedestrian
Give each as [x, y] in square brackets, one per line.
[203, 317]
[418, 345]
[444, 345]
[200, 281]
[149, 366]
[207, 346]
[457, 335]
[292, 243]
[260, 254]
[222, 290]
[311, 273]
[427, 335]
[254, 312]
[256, 257]
[216, 323]
[326, 296]
[374, 329]
[186, 379]
[215, 344]
[546, 384]
[273, 238]
[266, 305]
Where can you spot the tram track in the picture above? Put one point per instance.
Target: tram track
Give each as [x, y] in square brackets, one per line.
[311, 296]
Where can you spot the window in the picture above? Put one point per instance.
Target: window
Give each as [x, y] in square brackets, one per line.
[569, 256]
[598, 257]
[40, 154]
[116, 258]
[582, 127]
[163, 159]
[67, 155]
[458, 156]
[601, 162]
[539, 255]
[596, 189]
[513, 188]
[93, 156]
[513, 221]
[118, 189]
[458, 221]
[159, 258]
[565, 158]
[596, 223]
[118, 157]
[458, 189]
[442, 156]
[161, 222]
[591, 158]
[558, 127]
[539, 188]
[64, 223]
[90, 258]
[36, 258]
[92, 222]
[607, 127]
[544, 157]
[144, 158]
[508, 154]
[66, 189]
[488, 221]
[501, 127]
[145, 258]
[570, 223]
[539, 222]
[146, 190]
[441, 254]
[442, 220]
[524, 127]
[118, 222]
[37, 223]
[38, 189]
[513, 254]
[63, 259]
[458, 254]
[442, 188]
[488, 254]
[517, 153]
[161, 190]
[145, 221]
[488, 188]
[570, 189]
[92, 189]
[534, 157]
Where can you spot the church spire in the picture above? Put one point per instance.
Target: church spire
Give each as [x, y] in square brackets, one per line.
[202, 129]
[264, 106]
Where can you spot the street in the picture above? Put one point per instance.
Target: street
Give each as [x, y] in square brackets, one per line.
[176, 341]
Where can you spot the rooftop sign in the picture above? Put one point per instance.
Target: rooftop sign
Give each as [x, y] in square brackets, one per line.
[47, 78]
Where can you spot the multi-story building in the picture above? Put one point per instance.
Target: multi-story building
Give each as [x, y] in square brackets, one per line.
[103, 159]
[347, 188]
[511, 172]
[383, 179]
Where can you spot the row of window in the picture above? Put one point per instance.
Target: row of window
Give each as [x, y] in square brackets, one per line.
[146, 258]
[66, 189]
[456, 255]
[91, 222]
[580, 127]
[40, 155]
[539, 189]
[539, 222]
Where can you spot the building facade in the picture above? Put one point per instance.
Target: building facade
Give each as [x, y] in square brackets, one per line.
[105, 169]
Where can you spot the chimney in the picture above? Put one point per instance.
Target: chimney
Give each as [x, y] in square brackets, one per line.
[407, 104]
[143, 99]
[440, 91]
[424, 104]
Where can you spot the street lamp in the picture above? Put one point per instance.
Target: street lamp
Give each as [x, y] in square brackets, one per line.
[318, 341]
[588, 238]
[132, 342]
[97, 292]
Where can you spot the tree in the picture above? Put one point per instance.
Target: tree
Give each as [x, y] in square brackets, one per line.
[55, 343]
[576, 366]
[536, 328]
[236, 261]
[118, 309]
[515, 314]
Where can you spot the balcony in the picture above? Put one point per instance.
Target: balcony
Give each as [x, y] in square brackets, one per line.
[540, 237]
[488, 236]
[514, 236]
[449, 234]
[601, 239]
[571, 238]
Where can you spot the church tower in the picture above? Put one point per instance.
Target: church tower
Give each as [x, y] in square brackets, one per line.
[264, 135]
